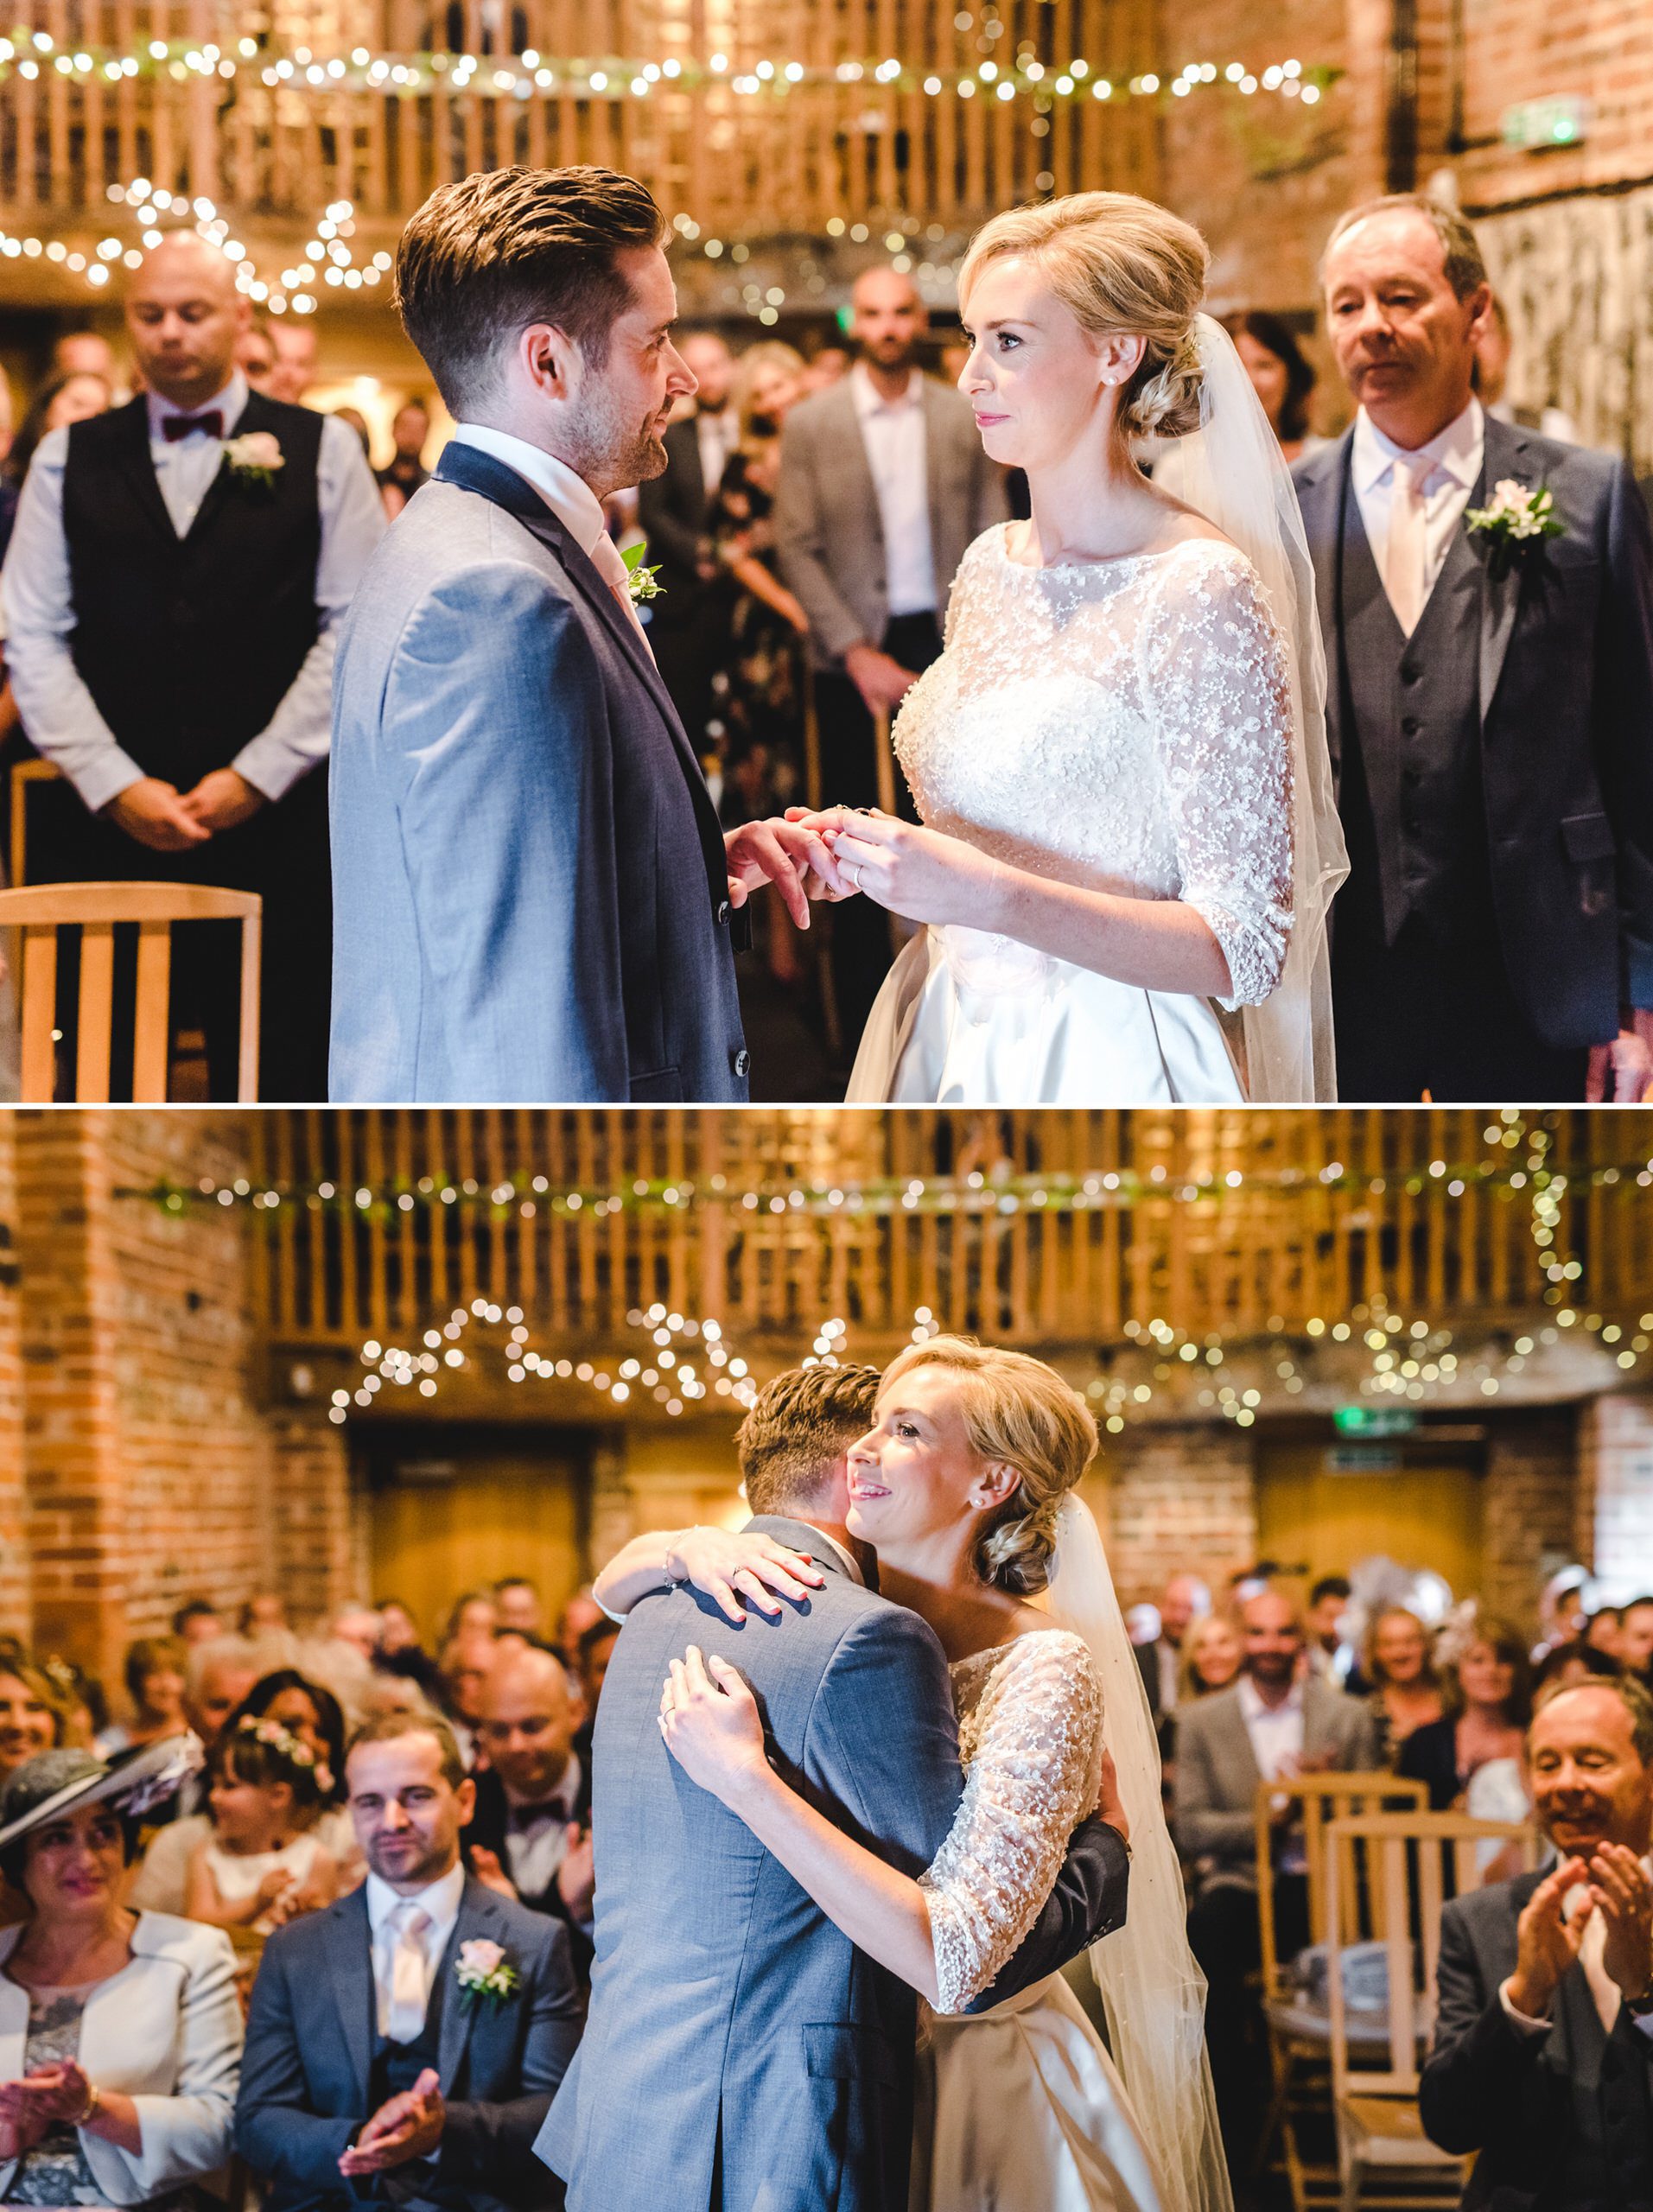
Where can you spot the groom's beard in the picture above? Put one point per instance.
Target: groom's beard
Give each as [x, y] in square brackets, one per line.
[610, 452]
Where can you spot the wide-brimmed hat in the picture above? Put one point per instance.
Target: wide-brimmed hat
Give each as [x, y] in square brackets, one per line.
[133, 1783]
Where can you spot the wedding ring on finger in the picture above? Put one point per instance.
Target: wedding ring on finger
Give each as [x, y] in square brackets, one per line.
[853, 872]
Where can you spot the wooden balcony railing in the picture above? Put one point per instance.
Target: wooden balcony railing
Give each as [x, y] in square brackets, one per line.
[1264, 1254]
[692, 96]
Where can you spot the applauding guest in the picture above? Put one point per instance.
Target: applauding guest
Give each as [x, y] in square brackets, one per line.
[168, 597]
[262, 1865]
[1543, 2056]
[419, 2027]
[531, 1836]
[120, 2034]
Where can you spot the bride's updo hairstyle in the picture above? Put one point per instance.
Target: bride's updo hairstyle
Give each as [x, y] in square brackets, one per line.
[1018, 1412]
[1122, 267]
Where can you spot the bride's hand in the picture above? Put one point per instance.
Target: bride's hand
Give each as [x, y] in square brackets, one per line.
[730, 1566]
[712, 1728]
[922, 873]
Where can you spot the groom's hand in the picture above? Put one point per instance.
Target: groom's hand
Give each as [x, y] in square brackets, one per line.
[785, 853]
[1623, 1070]
[409, 2126]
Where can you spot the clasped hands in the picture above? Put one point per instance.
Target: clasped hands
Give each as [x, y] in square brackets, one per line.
[834, 853]
[1549, 1941]
[406, 2127]
[59, 2092]
[157, 814]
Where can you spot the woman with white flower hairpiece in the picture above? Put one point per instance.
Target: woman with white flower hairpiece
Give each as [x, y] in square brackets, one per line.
[1129, 841]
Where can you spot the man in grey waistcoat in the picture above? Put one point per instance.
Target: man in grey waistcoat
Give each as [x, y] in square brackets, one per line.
[1488, 709]
[740, 2056]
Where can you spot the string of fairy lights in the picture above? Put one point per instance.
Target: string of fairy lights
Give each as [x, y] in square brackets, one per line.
[689, 1362]
[327, 265]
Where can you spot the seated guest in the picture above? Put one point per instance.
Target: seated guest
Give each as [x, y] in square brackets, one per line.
[1281, 376]
[120, 2033]
[197, 1622]
[581, 1612]
[30, 1718]
[263, 1863]
[1543, 2052]
[1574, 1663]
[298, 1702]
[530, 1834]
[517, 1604]
[1184, 1600]
[595, 1648]
[397, 1629]
[157, 1672]
[475, 1614]
[1213, 1652]
[1634, 1649]
[371, 2068]
[467, 1662]
[75, 398]
[1488, 1700]
[1601, 1629]
[264, 1614]
[1329, 1655]
[406, 472]
[1273, 1725]
[1406, 1690]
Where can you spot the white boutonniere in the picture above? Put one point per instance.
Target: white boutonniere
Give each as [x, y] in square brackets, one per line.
[483, 1970]
[641, 584]
[257, 455]
[1513, 519]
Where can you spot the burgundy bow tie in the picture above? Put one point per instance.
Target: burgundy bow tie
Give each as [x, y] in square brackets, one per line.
[174, 427]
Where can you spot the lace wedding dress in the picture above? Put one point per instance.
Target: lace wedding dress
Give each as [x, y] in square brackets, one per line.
[1123, 725]
[1020, 2108]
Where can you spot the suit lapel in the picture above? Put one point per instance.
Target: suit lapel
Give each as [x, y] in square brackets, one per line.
[475, 471]
[140, 468]
[853, 445]
[350, 1964]
[1505, 455]
[477, 1917]
[1322, 490]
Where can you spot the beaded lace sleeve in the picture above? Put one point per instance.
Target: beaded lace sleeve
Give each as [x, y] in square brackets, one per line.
[1214, 677]
[1033, 1746]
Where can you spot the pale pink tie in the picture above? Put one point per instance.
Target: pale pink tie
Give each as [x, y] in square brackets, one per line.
[611, 567]
[409, 1992]
[1406, 565]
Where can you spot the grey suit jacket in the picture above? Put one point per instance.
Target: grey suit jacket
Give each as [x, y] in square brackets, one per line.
[305, 2075]
[828, 530]
[530, 898]
[1563, 2122]
[740, 2052]
[1564, 682]
[1217, 1776]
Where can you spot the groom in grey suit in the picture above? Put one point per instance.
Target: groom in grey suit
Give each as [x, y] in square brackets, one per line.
[533, 900]
[740, 2056]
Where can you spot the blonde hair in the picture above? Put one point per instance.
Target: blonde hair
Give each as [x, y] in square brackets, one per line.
[1018, 1412]
[1121, 266]
[768, 353]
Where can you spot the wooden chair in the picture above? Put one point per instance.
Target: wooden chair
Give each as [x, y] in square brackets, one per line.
[24, 775]
[1388, 1877]
[1300, 2034]
[96, 909]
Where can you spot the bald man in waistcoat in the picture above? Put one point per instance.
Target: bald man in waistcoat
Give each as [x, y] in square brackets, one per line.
[168, 607]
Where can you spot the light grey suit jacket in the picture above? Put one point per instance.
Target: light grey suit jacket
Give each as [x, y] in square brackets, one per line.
[1217, 1776]
[828, 530]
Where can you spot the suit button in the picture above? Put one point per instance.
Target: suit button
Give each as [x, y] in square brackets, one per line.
[1411, 777]
[743, 1061]
[722, 912]
[1410, 725]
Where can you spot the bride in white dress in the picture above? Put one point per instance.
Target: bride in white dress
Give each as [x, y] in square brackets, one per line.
[964, 1487]
[1128, 840]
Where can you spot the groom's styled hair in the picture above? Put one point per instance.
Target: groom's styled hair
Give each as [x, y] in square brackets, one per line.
[797, 1425]
[484, 258]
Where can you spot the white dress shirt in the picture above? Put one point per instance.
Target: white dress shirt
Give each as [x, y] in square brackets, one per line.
[1593, 1958]
[1454, 463]
[893, 431]
[1276, 1731]
[37, 616]
[716, 436]
[441, 1900]
[570, 498]
[534, 1848]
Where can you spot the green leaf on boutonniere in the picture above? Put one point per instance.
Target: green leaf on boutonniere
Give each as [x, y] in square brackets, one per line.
[641, 584]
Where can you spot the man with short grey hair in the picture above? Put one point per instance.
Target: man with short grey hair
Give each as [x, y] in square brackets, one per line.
[1486, 598]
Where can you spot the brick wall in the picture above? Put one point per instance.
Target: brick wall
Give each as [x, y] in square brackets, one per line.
[1529, 1521]
[1617, 1457]
[1176, 1499]
[152, 1472]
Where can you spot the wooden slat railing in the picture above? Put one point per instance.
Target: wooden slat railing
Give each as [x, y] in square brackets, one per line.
[1258, 1259]
[773, 162]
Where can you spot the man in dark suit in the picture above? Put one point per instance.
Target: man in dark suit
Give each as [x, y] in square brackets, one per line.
[531, 1836]
[741, 2051]
[404, 2045]
[1490, 706]
[1544, 2054]
[671, 511]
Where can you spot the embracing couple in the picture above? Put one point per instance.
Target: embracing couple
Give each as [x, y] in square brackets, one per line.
[888, 1743]
[1128, 840]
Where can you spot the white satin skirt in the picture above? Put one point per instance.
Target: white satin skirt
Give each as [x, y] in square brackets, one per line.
[964, 1018]
[1020, 2110]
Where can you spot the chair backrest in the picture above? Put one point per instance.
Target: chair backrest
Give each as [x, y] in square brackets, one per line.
[1392, 1872]
[97, 910]
[25, 773]
[1318, 1799]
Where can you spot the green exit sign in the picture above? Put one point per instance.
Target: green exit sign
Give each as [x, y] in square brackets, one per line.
[1562, 120]
[1374, 1420]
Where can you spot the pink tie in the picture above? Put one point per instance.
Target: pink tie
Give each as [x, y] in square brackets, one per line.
[611, 567]
[1406, 565]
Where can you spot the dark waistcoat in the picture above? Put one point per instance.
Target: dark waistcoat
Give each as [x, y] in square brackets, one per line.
[188, 645]
[1411, 794]
[397, 2066]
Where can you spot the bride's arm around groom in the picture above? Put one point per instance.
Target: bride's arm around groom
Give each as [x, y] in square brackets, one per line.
[534, 900]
